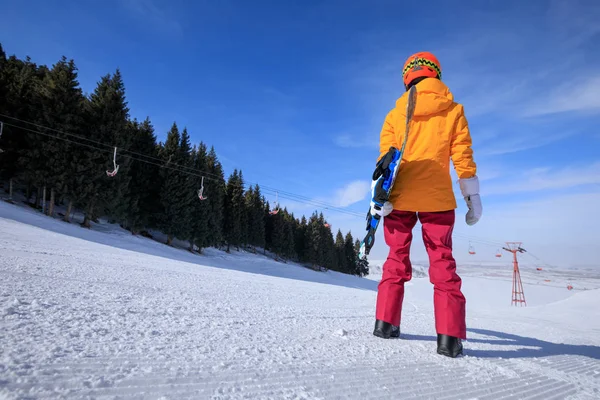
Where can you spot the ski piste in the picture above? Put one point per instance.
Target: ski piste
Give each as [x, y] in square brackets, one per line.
[387, 179]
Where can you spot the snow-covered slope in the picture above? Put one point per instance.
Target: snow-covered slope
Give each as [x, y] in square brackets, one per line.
[103, 314]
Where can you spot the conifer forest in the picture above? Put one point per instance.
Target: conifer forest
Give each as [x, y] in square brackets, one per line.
[58, 147]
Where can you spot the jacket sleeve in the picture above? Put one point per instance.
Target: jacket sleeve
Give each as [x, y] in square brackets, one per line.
[387, 137]
[460, 148]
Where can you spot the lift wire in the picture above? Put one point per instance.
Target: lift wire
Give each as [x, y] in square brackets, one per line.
[185, 168]
[193, 172]
[538, 259]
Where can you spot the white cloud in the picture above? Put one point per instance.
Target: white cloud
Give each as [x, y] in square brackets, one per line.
[545, 178]
[514, 144]
[351, 193]
[581, 96]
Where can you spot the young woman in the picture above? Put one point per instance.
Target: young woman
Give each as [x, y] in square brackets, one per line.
[438, 134]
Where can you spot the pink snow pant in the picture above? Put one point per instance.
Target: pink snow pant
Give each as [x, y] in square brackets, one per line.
[448, 300]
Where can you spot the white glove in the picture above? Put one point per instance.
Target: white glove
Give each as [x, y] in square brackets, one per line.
[385, 210]
[475, 209]
[469, 188]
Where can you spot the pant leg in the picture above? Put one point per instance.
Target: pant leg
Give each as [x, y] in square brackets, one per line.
[449, 302]
[397, 268]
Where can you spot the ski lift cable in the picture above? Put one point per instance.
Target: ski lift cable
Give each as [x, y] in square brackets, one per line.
[51, 129]
[537, 258]
[299, 199]
[123, 150]
[200, 174]
[285, 194]
[183, 167]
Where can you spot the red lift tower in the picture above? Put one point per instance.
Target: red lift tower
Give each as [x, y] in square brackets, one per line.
[518, 296]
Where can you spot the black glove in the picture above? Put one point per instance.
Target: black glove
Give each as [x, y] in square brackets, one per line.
[384, 163]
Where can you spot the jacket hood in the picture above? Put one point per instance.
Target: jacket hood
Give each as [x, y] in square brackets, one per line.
[433, 97]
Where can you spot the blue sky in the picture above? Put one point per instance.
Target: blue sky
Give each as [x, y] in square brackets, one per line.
[294, 93]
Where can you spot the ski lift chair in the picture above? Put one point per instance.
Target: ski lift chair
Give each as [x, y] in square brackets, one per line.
[471, 249]
[116, 167]
[201, 190]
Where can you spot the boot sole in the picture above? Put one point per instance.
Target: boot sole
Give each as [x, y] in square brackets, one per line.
[381, 335]
[448, 354]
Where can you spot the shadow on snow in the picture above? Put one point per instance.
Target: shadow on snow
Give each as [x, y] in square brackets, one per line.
[529, 347]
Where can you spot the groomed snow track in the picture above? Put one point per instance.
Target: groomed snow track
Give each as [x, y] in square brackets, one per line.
[82, 317]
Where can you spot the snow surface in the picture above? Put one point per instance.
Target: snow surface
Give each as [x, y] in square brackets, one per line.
[106, 315]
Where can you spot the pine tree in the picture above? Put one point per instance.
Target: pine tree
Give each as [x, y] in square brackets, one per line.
[144, 184]
[234, 201]
[268, 225]
[3, 83]
[351, 255]
[328, 258]
[23, 147]
[4, 96]
[315, 240]
[186, 191]
[107, 116]
[255, 217]
[200, 209]
[301, 240]
[63, 112]
[215, 190]
[257, 220]
[15, 95]
[248, 204]
[6, 172]
[341, 252]
[278, 233]
[289, 247]
[244, 214]
[172, 196]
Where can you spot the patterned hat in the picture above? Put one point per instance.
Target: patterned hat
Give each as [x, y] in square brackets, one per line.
[421, 64]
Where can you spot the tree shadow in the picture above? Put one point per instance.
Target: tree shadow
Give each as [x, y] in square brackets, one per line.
[114, 236]
[529, 347]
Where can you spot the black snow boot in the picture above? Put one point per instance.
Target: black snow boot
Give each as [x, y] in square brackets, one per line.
[386, 330]
[449, 346]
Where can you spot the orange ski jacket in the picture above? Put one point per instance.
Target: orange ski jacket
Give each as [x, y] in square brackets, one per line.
[437, 134]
